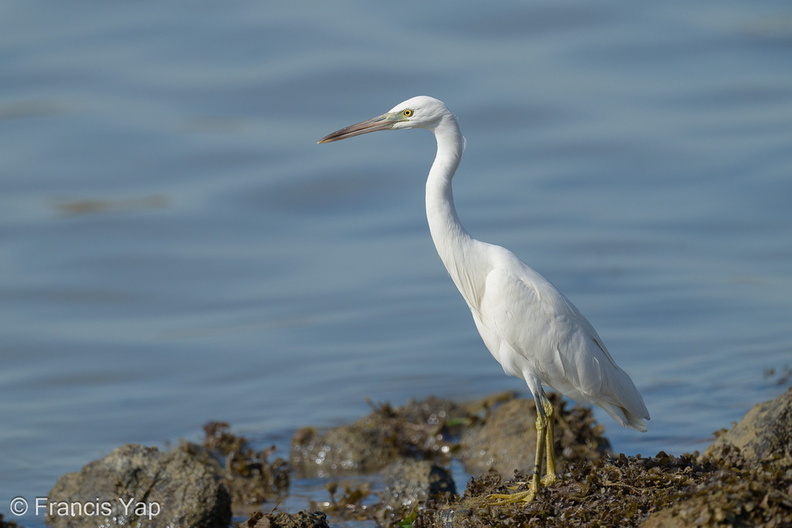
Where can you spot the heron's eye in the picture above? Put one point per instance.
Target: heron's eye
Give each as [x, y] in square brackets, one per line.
[407, 112]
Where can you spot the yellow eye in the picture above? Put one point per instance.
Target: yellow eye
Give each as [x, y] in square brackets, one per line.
[407, 112]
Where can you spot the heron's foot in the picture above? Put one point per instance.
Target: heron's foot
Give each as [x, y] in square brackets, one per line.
[528, 495]
[501, 499]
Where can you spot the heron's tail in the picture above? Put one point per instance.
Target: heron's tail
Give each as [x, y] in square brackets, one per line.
[626, 417]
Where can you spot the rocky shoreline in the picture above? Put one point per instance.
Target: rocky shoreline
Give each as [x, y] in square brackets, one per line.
[743, 479]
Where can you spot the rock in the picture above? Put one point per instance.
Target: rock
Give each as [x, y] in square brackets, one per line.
[408, 482]
[692, 513]
[249, 475]
[764, 433]
[733, 493]
[301, 519]
[505, 440]
[745, 480]
[7, 524]
[617, 491]
[343, 450]
[753, 484]
[138, 485]
[419, 429]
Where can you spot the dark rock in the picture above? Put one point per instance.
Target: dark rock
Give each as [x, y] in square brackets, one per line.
[619, 491]
[407, 483]
[250, 476]
[753, 484]
[734, 492]
[419, 429]
[7, 524]
[301, 519]
[745, 481]
[348, 500]
[138, 485]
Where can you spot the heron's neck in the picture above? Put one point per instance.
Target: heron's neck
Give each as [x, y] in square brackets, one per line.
[449, 236]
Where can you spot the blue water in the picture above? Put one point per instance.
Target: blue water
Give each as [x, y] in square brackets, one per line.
[176, 248]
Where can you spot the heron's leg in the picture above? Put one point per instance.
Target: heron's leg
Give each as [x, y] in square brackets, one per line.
[550, 472]
[544, 431]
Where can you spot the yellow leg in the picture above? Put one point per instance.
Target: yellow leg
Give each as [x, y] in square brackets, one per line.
[550, 473]
[545, 432]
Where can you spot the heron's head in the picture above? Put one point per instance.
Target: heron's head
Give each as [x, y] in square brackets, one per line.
[418, 112]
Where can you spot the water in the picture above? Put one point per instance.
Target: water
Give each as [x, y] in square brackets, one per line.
[177, 249]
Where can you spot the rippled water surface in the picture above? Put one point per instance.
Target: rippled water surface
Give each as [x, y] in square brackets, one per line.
[176, 248]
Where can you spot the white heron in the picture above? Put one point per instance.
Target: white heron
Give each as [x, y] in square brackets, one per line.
[533, 331]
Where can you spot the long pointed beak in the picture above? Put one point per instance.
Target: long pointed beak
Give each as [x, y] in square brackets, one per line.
[372, 125]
